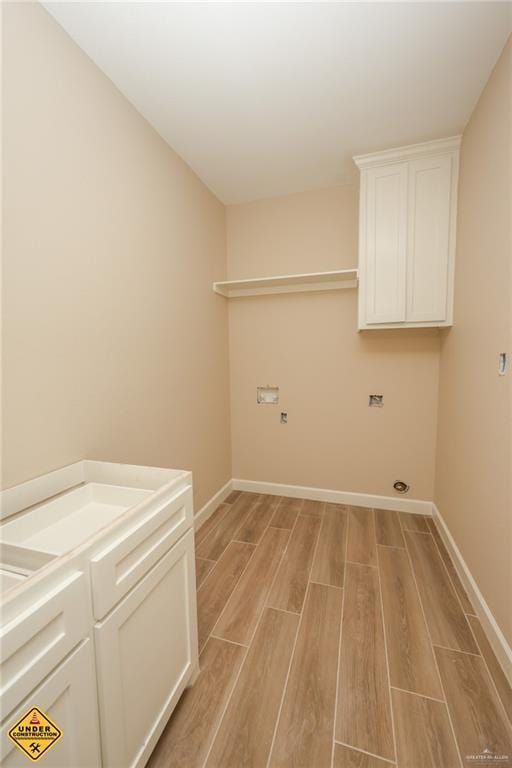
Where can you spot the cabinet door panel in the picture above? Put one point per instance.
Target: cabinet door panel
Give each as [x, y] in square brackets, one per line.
[33, 643]
[385, 243]
[428, 239]
[146, 651]
[68, 697]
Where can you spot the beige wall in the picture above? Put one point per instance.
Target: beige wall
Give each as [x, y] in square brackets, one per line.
[309, 346]
[115, 347]
[474, 458]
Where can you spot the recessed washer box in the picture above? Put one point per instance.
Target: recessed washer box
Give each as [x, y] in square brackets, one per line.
[267, 395]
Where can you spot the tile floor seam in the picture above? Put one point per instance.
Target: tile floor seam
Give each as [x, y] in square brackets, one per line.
[414, 530]
[196, 531]
[228, 599]
[356, 562]
[323, 584]
[253, 505]
[298, 511]
[248, 648]
[228, 700]
[283, 610]
[385, 641]
[489, 673]
[269, 523]
[270, 520]
[447, 571]
[296, 613]
[458, 650]
[231, 506]
[279, 527]
[287, 678]
[409, 556]
[299, 624]
[271, 584]
[224, 640]
[415, 693]
[365, 752]
[450, 581]
[340, 640]
[207, 575]
[248, 543]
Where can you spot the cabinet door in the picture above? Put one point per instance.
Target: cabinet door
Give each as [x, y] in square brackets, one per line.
[43, 633]
[428, 239]
[146, 651]
[68, 697]
[384, 243]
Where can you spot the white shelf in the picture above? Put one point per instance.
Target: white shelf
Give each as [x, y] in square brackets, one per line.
[311, 281]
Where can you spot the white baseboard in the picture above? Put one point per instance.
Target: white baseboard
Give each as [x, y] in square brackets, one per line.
[490, 626]
[212, 504]
[415, 506]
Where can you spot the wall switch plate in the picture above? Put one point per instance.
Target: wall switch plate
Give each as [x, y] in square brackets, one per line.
[267, 395]
[376, 401]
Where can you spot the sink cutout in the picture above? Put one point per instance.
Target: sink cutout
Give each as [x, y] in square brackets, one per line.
[66, 522]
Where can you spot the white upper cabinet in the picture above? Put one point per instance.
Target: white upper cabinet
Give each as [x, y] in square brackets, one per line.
[408, 205]
[385, 244]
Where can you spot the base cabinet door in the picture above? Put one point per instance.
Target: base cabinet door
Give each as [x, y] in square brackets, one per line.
[68, 697]
[146, 651]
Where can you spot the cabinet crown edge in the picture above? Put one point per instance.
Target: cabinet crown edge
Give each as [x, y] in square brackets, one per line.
[408, 152]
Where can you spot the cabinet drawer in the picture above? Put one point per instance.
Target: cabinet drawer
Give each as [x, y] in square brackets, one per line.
[146, 651]
[34, 642]
[121, 564]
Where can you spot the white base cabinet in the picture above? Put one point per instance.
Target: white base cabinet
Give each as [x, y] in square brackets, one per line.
[100, 629]
[144, 659]
[407, 220]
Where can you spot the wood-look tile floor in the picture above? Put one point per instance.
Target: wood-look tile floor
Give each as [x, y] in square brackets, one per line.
[334, 637]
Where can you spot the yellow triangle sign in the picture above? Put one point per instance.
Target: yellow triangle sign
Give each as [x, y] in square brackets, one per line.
[35, 733]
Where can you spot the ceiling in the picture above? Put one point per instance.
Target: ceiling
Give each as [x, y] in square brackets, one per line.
[264, 99]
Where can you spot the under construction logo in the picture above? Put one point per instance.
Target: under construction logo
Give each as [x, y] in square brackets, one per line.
[35, 733]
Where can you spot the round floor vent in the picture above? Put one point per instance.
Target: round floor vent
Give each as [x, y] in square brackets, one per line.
[400, 486]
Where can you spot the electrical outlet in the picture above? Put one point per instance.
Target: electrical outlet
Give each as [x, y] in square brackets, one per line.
[284, 417]
[376, 401]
